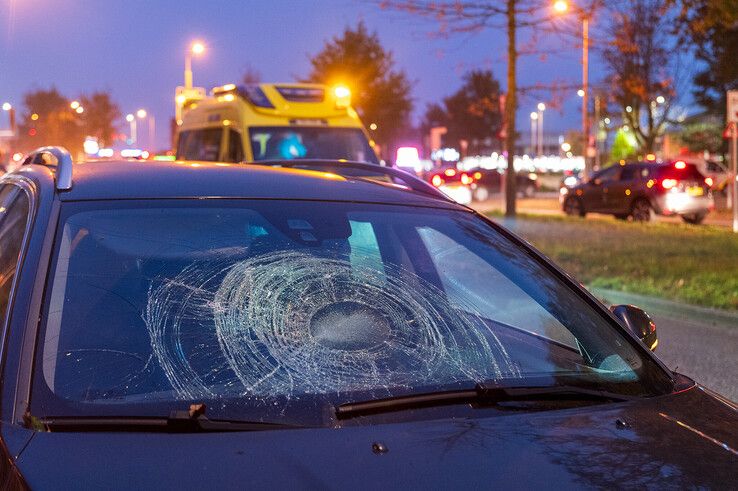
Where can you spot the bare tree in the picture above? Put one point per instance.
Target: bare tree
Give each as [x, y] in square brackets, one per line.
[458, 16]
[644, 68]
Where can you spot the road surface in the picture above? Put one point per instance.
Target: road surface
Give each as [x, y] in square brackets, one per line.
[706, 353]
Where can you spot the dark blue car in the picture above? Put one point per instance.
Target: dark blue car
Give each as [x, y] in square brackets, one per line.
[316, 325]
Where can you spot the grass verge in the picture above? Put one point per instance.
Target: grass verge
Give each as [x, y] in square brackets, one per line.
[694, 264]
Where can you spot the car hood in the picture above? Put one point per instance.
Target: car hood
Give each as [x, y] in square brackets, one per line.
[682, 440]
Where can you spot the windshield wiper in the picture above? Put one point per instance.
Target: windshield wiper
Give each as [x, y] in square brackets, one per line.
[192, 421]
[481, 395]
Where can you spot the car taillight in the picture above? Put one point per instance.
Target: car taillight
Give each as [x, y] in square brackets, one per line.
[668, 183]
[436, 180]
[466, 179]
[708, 181]
[450, 172]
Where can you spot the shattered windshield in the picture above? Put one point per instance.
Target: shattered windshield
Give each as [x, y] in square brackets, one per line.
[274, 310]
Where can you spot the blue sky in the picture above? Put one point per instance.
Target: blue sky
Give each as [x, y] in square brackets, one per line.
[135, 49]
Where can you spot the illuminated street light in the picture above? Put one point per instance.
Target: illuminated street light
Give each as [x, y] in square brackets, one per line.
[141, 113]
[660, 99]
[541, 107]
[373, 126]
[566, 147]
[533, 131]
[34, 117]
[74, 105]
[79, 110]
[132, 120]
[196, 48]
[7, 106]
[560, 6]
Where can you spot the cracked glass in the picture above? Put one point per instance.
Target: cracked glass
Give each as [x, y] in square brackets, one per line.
[277, 310]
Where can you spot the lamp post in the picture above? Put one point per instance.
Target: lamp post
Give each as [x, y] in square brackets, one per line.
[562, 6]
[132, 121]
[533, 132]
[541, 108]
[7, 107]
[196, 48]
[150, 122]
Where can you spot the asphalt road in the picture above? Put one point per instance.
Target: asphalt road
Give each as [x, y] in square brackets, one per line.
[706, 353]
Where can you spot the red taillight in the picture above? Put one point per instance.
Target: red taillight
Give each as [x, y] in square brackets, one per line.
[450, 172]
[708, 181]
[680, 164]
[466, 179]
[436, 180]
[668, 183]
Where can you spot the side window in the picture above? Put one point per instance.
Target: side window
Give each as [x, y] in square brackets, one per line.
[235, 147]
[464, 275]
[13, 220]
[200, 144]
[630, 173]
[610, 174]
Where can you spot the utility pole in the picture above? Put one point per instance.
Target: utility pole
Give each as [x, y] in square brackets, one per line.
[510, 108]
[585, 97]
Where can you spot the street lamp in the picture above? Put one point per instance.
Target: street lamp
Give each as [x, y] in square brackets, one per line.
[132, 121]
[533, 131]
[541, 108]
[151, 123]
[7, 106]
[562, 6]
[196, 48]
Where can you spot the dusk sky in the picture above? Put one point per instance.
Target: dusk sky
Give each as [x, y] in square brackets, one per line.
[135, 50]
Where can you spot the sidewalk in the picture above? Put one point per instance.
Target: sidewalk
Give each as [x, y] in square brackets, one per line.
[669, 308]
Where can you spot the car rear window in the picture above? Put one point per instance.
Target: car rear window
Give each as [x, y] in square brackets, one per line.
[671, 171]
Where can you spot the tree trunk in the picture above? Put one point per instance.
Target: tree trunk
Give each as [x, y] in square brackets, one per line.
[510, 108]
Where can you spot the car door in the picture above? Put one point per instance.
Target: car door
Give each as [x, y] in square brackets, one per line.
[595, 190]
[619, 193]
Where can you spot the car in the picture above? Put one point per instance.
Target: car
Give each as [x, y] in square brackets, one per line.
[488, 181]
[478, 184]
[317, 324]
[642, 189]
[718, 174]
[454, 183]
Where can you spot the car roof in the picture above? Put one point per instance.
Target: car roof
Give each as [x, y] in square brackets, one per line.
[148, 179]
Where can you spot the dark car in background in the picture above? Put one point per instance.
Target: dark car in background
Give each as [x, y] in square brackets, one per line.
[208, 325]
[478, 184]
[641, 189]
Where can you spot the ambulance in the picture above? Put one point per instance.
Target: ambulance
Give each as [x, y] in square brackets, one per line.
[263, 122]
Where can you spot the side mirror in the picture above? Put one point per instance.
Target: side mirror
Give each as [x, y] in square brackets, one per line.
[638, 322]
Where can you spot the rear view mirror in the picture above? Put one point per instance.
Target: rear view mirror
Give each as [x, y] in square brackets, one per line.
[638, 322]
